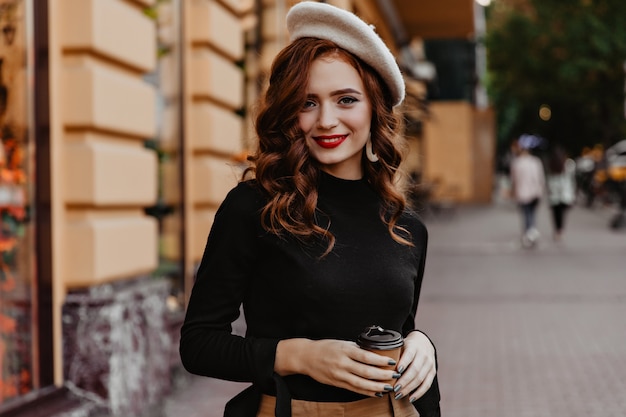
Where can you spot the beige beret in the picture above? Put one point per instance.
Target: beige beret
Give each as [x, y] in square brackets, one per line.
[310, 19]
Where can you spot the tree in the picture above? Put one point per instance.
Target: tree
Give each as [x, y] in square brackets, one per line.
[567, 55]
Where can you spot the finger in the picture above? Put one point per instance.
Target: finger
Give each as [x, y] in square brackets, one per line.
[423, 387]
[374, 359]
[406, 383]
[367, 387]
[415, 359]
[406, 359]
[413, 377]
[374, 373]
[371, 379]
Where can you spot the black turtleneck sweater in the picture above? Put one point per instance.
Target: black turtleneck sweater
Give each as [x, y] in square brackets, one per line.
[287, 291]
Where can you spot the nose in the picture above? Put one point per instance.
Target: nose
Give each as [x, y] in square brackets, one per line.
[327, 118]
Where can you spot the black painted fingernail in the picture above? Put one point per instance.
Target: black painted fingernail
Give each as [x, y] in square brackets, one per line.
[396, 375]
[412, 400]
[401, 369]
[391, 362]
[397, 388]
[399, 395]
[388, 388]
[379, 394]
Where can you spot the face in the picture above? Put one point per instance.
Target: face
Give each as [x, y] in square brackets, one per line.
[336, 117]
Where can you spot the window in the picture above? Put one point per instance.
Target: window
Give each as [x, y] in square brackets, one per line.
[18, 285]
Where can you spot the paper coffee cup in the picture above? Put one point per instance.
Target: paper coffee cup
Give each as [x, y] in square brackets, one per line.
[382, 341]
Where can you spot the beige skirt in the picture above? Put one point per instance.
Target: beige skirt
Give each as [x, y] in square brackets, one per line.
[369, 407]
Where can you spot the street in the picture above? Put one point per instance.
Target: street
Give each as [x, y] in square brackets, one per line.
[520, 332]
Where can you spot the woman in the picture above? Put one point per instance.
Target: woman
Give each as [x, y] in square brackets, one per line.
[318, 245]
[527, 181]
[561, 185]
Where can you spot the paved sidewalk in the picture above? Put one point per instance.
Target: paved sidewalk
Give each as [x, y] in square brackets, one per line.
[519, 332]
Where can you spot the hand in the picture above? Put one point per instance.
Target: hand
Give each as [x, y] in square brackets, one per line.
[338, 363]
[417, 366]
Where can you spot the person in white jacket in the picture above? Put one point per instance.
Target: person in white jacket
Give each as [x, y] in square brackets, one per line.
[527, 180]
[561, 185]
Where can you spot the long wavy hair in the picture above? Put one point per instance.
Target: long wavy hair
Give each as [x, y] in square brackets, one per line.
[283, 167]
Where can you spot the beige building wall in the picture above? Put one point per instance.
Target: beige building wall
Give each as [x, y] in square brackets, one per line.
[213, 45]
[485, 149]
[101, 113]
[168, 139]
[273, 30]
[459, 152]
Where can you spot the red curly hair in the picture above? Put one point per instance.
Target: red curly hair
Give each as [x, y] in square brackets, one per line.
[283, 167]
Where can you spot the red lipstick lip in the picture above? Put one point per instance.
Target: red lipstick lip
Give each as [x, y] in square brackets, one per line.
[329, 141]
[328, 137]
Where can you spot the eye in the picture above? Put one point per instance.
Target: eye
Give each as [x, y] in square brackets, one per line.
[347, 100]
[308, 104]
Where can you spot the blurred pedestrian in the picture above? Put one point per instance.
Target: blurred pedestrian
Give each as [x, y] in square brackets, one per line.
[616, 181]
[561, 187]
[319, 245]
[585, 171]
[527, 182]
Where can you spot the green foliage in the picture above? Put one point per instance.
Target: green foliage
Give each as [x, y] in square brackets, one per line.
[568, 55]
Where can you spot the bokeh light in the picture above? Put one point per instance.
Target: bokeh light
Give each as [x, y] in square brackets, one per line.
[545, 113]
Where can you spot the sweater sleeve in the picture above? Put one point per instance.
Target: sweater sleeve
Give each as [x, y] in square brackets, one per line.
[420, 240]
[429, 404]
[207, 345]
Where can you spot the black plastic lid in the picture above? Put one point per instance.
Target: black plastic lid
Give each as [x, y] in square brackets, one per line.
[375, 337]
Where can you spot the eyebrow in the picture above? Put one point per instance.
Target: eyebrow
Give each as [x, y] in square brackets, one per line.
[345, 91]
[341, 92]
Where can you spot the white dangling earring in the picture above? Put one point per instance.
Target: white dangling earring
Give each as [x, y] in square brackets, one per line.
[368, 150]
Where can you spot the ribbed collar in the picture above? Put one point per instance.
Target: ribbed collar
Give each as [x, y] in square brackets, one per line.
[346, 191]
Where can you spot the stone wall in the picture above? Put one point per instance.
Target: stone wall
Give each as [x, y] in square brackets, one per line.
[117, 345]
